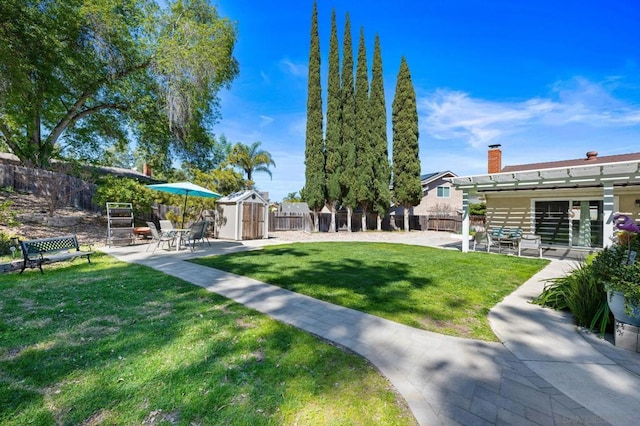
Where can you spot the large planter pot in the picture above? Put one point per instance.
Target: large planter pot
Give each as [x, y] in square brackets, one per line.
[616, 305]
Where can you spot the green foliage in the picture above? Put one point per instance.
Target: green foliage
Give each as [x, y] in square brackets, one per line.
[8, 214]
[333, 166]
[250, 159]
[583, 290]
[364, 185]
[223, 180]
[620, 271]
[407, 189]
[5, 243]
[314, 146]
[348, 129]
[79, 77]
[378, 111]
[114, 189]
[292, 197]
[477, 209]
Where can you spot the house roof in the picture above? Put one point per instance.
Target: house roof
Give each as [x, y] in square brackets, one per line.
[586, 161]
[598, 171]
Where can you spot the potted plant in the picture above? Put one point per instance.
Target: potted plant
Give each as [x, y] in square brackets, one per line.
[617, 268]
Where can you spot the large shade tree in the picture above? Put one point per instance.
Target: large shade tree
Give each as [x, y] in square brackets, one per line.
[78, 76]
[314, 189]
[407, 189]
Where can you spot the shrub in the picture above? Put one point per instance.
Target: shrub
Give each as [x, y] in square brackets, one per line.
[123, 190]
[5, 243]
[582, 292]
[7, 214]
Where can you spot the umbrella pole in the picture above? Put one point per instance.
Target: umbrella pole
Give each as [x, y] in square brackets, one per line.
[184, 209]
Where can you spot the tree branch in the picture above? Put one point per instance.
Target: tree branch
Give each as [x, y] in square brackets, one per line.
[73, 115]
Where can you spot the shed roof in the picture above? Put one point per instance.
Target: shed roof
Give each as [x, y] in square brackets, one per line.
[250, 195]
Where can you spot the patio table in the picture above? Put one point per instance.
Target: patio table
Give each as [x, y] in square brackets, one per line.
[179, 234]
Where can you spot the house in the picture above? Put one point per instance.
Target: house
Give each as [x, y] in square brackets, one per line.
[439, 196]
[569, 203]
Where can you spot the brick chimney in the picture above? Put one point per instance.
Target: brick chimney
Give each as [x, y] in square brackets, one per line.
[146, 169]
[494, 165]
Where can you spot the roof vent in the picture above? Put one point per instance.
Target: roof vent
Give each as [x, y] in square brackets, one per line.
[591, 155]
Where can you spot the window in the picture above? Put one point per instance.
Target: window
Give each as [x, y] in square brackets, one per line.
[443, 192]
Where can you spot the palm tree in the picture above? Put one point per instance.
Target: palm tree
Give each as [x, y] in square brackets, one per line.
[250, 159]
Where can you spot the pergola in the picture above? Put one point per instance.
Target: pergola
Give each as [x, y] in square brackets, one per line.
[604, 175]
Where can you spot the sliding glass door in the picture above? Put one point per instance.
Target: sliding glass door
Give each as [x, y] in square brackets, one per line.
[573, 223]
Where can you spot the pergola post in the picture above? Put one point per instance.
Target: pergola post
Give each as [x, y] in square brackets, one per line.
[465, 221]
[608, 205]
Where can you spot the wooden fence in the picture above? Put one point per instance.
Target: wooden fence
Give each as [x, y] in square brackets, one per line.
[56, 187]
[436, 222]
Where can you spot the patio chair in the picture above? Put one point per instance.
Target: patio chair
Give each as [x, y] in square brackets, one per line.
[166, 227]
[197, 232]
[158, 237]
[530, 241]
[482, 237]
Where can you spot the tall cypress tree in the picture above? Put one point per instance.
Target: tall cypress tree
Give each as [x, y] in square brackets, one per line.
[348, 128]
[314, 190]
[379, 142]
[333, 165]
[364, 154]
[407, 190]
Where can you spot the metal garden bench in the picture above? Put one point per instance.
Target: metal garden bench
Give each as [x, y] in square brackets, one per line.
[48, 250]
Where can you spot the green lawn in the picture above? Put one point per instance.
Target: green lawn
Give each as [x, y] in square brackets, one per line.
[439, 290]
[112, 343]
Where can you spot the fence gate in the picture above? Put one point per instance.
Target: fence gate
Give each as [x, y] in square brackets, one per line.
[252, 221]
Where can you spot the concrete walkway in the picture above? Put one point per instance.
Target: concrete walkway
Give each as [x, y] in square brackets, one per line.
[547, 372]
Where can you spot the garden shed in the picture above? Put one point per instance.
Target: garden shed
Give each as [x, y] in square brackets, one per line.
[242, 216]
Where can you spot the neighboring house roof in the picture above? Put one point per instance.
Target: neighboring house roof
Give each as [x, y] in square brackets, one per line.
[585, 161]
[430, 177]
[295, 207]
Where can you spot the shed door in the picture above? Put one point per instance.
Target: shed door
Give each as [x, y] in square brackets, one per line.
[252, 221]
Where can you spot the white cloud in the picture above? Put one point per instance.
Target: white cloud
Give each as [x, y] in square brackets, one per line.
[456, 115]
[297, 70]
[265, 120]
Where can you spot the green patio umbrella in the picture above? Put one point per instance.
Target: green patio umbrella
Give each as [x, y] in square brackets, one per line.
[186, 189]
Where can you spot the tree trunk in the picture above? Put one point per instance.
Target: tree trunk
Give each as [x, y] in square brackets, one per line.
[379, 222]
[349, 215]
[332, 225]
[364, 220]
[406, 219]
[316, 222]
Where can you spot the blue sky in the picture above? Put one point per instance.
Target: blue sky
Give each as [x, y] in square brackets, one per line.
[548, 80]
